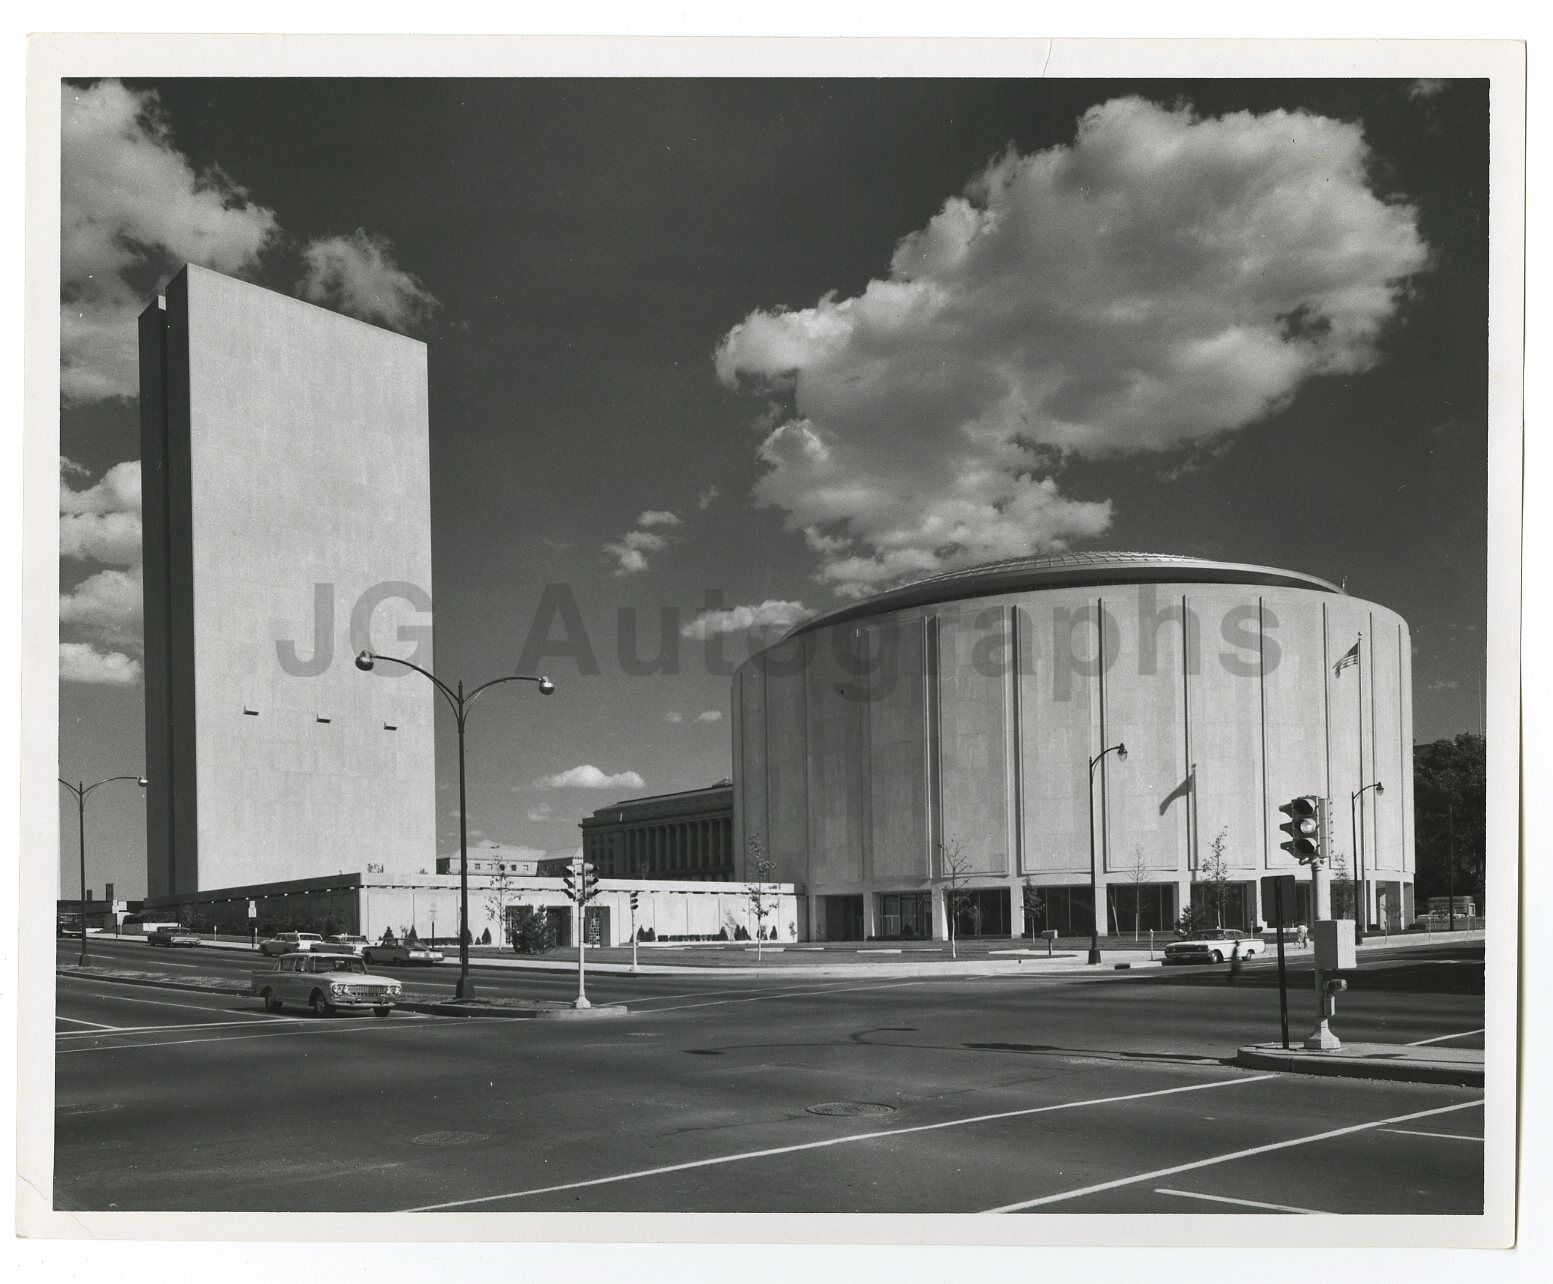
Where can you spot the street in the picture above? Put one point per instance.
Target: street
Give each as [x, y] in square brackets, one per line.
[776, 1093]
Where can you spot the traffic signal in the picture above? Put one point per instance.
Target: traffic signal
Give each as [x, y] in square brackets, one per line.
[590, 881]
[569, 878]
[635, 901]
[1305, 828]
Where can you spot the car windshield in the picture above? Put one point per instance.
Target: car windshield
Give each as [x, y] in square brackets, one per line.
[341, 963]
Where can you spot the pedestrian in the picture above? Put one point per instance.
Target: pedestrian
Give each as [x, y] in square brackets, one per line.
[1299, 935]
[1234, 965]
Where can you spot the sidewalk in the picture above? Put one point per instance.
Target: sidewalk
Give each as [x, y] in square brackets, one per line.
[1408, 1062]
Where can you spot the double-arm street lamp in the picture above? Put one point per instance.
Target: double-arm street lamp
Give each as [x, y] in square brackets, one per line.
[460, 704]
[80, 790]
[1362, 910]
[1120, 750]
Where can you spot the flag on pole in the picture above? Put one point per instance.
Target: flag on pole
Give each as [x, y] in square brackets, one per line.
[1350, 656]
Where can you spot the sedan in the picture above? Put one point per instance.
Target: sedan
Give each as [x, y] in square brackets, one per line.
[402, 954]
[1213, 946]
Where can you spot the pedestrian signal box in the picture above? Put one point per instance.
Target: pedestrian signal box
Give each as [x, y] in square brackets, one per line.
[1334, 945]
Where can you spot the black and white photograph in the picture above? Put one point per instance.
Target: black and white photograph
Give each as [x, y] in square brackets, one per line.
[884, 644]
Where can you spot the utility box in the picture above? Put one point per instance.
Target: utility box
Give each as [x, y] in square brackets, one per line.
[1334, 945]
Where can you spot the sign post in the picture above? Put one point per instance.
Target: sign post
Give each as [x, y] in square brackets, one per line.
[1278, 892]
[253, 926]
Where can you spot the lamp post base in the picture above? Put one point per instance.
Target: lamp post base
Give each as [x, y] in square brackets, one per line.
[465, 989]
[1094, 955]
[581, 1002]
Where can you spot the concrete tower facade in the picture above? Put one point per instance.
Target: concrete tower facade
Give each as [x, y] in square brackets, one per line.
[287, 520]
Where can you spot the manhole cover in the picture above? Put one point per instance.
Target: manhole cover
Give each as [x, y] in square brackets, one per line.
[448, 1138]
[850, 1108]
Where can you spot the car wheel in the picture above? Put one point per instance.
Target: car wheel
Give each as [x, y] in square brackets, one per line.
[320, 1004]
[381, 1012]
[1217, 957]
[271, 1003]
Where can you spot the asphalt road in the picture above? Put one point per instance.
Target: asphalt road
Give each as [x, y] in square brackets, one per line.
[1090, 1093]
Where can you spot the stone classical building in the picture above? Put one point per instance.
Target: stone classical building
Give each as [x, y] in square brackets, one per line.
[686, 836]
[951, 735]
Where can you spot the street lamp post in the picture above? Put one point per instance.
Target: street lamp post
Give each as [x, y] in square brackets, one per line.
[1362, 910]
[460, 704]
[1120, 750]
[80, 790]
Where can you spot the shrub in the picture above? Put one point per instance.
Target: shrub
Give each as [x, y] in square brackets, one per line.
[741, 933]
[722, 934]
[533, 932]
[652, 934]
[485, 937]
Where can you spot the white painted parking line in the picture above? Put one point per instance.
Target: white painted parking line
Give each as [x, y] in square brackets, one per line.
[853, 1139]
[1441, 1038]
[1243, 1203]
[96, 1025]
[1227, 1158]
[1446, 1136]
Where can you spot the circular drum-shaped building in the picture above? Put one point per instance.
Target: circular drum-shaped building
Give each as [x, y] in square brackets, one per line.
[945, 742]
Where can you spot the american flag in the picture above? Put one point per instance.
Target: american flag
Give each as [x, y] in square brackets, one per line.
[1350, 656]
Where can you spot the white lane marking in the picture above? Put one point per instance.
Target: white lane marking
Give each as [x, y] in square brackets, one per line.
[96, 1025]
[193, 1007]
[1418, 1043]
[1449, 1136]
[157, 1029]
[788, 994]
[1244, 1203]
[836, 1141]
[308, 1027]
[1227, 1158]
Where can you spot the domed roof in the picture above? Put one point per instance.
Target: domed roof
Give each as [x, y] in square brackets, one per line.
[1062, 570]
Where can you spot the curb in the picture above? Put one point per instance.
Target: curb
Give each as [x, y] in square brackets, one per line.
[1336, 1066]
[526, 1013]
[1123, 967]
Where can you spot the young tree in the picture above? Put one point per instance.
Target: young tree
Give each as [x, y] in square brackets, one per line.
[531, 931]
[1033, 904]
[496, 901]
[1343, 898]
[954, 870]
[1137, 879]
[762, 900]
[1215, 878]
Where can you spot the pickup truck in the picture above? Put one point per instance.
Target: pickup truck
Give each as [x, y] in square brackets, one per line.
[170, 934]
[326, 983]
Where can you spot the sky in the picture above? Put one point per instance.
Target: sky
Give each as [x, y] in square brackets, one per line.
[708, 356]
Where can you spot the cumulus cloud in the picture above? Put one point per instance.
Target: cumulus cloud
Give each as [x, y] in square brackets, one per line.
[83, 662]
[1165, 279]
[357, 274]
[102, 522]
[1419, 89]
[631, 549]
[709, 715]
[705, 498]
[770, 614]
[131, 207]
[107, 605]
[590, 777]
[673, 717]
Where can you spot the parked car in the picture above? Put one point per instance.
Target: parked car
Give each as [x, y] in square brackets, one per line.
[342, 943]
[1213, 946]
[326, 983]
[170, 934]
[402, 954]
[289, 943]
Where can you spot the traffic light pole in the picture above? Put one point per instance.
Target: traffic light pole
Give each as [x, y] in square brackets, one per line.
[1283, 978]
[633, 933]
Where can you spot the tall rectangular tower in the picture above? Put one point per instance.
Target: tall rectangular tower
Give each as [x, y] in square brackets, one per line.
[287, 519]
